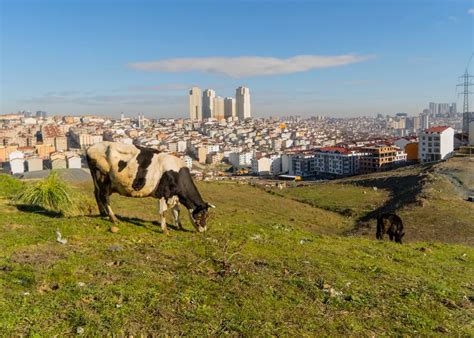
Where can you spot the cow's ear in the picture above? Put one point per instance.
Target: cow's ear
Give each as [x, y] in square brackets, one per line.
[209, 205]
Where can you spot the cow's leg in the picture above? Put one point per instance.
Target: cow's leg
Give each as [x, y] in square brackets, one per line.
[112, 216]
[96, 177]
[104, 196]
[390, 235]
[101, 206]
[163, 206]
[177, 220]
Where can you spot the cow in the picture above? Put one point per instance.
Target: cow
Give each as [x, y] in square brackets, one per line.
[390, 224]
[137, 171]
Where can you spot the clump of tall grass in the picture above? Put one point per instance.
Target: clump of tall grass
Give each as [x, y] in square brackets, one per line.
[50, 193]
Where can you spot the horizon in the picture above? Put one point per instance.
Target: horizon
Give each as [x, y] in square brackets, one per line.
[305, 58]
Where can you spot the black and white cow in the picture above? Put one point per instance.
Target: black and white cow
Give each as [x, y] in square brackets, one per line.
[145, 172]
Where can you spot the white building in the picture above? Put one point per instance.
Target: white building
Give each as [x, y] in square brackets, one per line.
[241, 159]
[424, 120]
[262, 166]
[188, 161]
[337, 161]
[242, 99]
[267, 165]
[34, 164]
[73, 162]
[208, 103]
[177, 147]
[195, 104]
[435, 144]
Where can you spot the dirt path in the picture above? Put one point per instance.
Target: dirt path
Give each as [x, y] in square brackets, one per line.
[458, 185]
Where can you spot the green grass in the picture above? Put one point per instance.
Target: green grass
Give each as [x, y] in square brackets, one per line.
[346, 199]
[268, 265]
[9, 186]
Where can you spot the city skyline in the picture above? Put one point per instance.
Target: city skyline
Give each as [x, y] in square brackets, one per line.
[310, 59]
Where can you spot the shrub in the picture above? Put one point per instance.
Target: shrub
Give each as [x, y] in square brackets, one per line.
[9, 186]
[51, 193]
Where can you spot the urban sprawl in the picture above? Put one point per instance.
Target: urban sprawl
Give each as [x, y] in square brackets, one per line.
[221, 139]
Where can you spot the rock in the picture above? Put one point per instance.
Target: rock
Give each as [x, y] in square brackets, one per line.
[80, 330]
[81, 284]
[114, 229]
[375, 188]
[334, 293]
[115, 248]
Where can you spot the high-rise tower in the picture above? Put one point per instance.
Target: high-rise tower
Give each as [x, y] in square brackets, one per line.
[195, 104]
[242, 99]
[229, 107]
[208, 103]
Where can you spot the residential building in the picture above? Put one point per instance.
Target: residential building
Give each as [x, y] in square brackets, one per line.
[208, 103]
[34, 164]
[229, 107]
[83, 139]
[202, 155]
[337, 161]
[378, 158]
[17, 162]
[58, 161]
[436, 143]
[303, 165]
[424, 120]
[195, 104]
[242, 99]
[53, 135]
[188, 161]
[241, 159]
[218, 112]
[73, 161]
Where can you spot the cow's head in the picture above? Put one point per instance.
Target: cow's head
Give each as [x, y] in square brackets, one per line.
[200, 215]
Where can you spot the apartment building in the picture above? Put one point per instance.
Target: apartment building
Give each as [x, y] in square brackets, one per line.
[337, 161]
[381, 158]
[435, 144]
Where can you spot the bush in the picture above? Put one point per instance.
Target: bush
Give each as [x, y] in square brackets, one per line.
[51, 193]
[9, 186]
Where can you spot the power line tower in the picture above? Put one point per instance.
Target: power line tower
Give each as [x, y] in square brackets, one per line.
[467, 116]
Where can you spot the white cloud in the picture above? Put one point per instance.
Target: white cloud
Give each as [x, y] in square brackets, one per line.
[470, 11]
[161, 87]
[246, 66]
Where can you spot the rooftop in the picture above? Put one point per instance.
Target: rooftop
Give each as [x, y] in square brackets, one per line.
[437, 129]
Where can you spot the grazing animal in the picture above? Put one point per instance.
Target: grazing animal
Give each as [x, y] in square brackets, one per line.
[145, 172]
[390, 224]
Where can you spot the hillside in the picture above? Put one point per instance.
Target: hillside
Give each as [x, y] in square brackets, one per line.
[430, 199]
[269, 265]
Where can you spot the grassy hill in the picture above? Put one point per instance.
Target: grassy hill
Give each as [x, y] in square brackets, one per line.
[269, 265]
[430, 199]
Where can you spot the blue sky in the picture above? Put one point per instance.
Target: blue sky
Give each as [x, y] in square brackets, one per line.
[338, 58]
